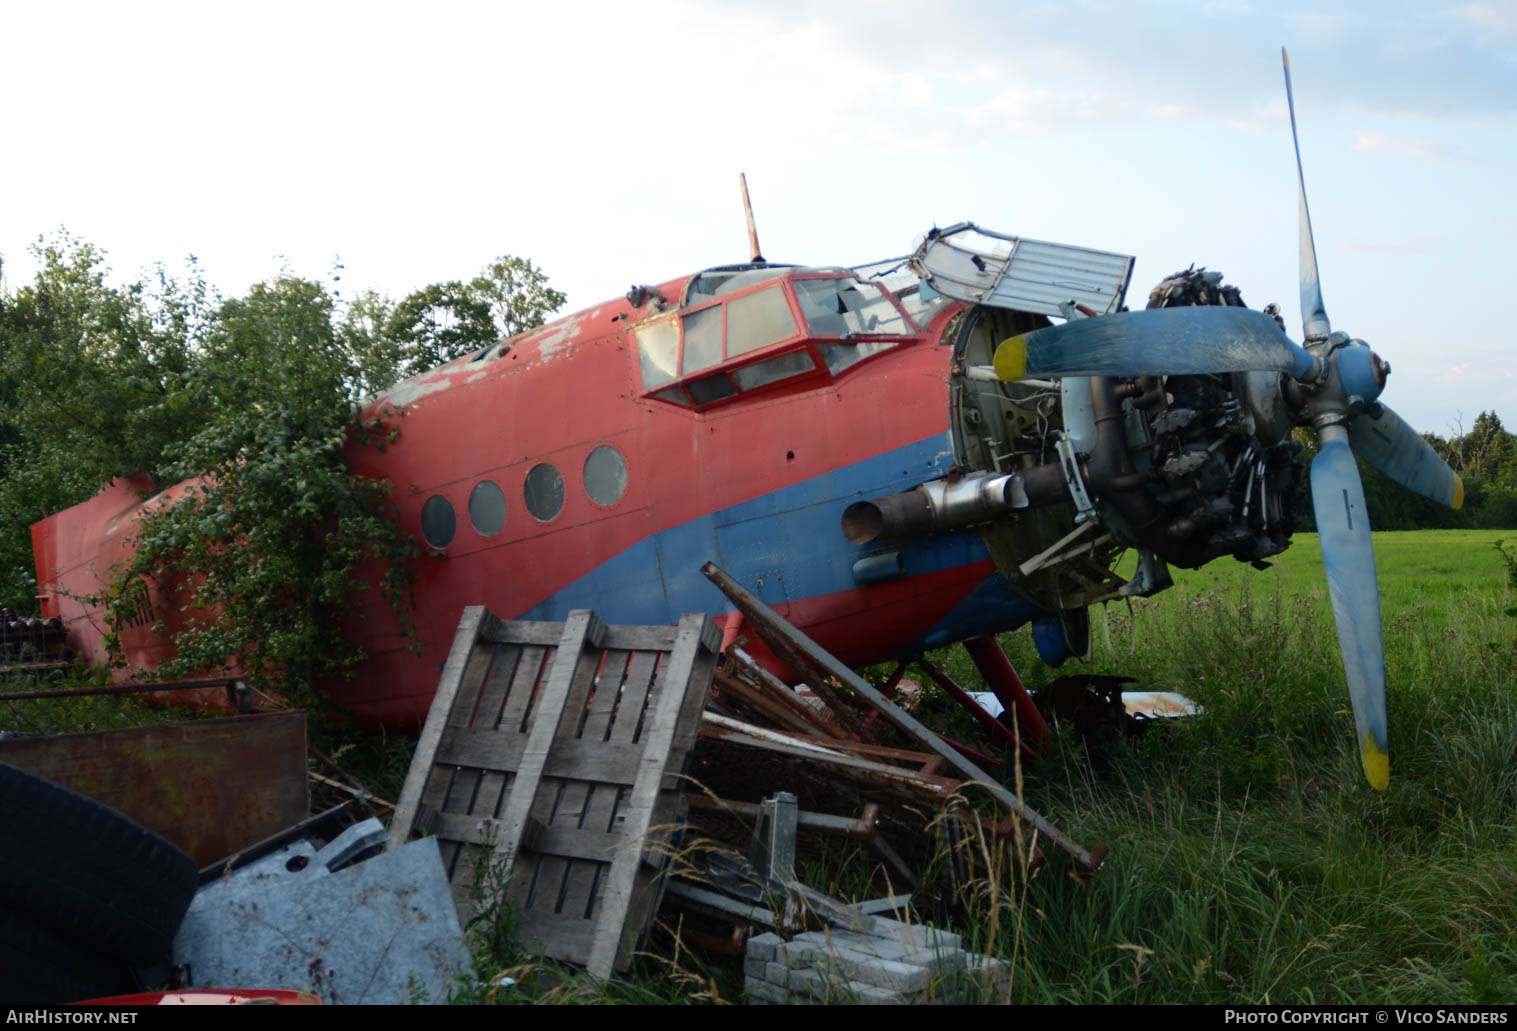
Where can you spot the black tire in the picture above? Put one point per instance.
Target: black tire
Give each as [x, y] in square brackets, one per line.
[88, 873]
[39, 967]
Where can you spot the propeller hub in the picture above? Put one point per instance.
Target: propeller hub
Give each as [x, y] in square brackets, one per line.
[1361, 372]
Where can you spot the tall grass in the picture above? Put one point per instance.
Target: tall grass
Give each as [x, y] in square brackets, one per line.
[1249, 860]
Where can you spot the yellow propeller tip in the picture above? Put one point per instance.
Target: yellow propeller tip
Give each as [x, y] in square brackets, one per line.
[1011, 359]
[1458, 501]
[1377, 764]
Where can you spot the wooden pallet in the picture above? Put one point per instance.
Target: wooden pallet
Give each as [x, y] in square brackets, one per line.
[552, 756]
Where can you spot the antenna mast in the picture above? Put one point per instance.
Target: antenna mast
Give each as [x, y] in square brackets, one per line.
[753, 244]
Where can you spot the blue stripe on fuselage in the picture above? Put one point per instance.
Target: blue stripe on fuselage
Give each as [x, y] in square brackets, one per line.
[784, 546]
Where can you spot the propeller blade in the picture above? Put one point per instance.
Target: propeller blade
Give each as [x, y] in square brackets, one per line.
[1158, 341]
[1349, 558]
[1386, 442]
[1313, 313]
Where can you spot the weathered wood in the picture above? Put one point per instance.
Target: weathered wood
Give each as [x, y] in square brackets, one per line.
[423, 758]
[521, 632]
[640, 638]
[580, 759]
[667, 698]
[773, 709]
[581, 628]
[802, 653]
[771, 687]
[866, 770]
[543, 754]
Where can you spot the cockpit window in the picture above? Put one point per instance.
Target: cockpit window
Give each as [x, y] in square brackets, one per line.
[758, 320]
[703, 339]
[658, 352]
[849, 308]
[714, 283]
[739, 331]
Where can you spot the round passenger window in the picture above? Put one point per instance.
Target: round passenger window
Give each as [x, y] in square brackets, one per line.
[605, 475]
[487, 508]
[438, 522]
[544, 492]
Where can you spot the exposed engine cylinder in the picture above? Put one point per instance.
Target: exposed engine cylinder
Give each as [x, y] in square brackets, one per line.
[1223, 483]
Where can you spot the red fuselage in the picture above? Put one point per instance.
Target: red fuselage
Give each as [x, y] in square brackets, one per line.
[599, 460]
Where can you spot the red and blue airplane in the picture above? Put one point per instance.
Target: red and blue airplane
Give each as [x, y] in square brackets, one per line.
[896, 458]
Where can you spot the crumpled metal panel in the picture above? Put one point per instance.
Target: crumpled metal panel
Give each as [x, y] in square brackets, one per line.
[979, 266]
[381, 931]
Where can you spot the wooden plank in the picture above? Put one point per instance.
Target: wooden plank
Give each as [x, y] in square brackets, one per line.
[674, 682]
[708, 654]
[862, 769]
[492, 782]
[607, 691]
[562, 840]
[567, 810]
[523, 632]
[497, 688]
[549, 868]
[576, 731]
[572, 662]
[773, 688]
[558, 936]
[213, 787]
[597, 819]
[640, 638]
[581, 759]
[536, 661]
[423, 757]
[627, 716]
[762, 703]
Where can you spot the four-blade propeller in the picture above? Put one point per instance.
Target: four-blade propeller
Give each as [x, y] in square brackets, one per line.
[1337, 377]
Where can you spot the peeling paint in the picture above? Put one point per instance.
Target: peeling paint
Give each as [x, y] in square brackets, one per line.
[413, 390]
[555, 340]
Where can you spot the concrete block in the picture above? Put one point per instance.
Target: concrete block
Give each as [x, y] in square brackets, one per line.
[931, 938]
[803, 949]
[763, 946]
[762, 993]
[872, 995]
[828, 985]
[897, 977]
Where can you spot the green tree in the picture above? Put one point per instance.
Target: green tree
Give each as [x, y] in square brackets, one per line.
[99, 372]
[253, 398]
[444, 321]
[517, 294]
[92, 385]
[438, 323]
[269, 547]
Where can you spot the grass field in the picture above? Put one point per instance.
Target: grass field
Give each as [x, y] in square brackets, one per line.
[1250, 861]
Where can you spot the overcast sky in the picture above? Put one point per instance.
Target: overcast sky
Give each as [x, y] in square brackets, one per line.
[417, 142]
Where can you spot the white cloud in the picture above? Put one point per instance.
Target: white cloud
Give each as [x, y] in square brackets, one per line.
[1498, 17]
[1398, 146]
[1021, 110]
